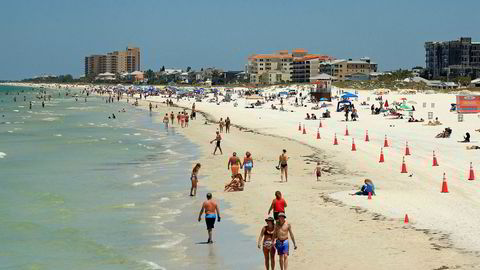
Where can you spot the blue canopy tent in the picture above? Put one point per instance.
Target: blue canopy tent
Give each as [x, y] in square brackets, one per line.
[323, 99]
[341, 104]
[283, 94]
[349, 95]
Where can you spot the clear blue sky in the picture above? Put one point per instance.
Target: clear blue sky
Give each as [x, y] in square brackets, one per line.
[54, 36]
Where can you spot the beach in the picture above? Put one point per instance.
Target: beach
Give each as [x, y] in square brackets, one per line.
[334, 230]
[331, 226]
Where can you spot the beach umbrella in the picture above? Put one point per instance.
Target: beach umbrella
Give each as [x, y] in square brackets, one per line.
[403, 98]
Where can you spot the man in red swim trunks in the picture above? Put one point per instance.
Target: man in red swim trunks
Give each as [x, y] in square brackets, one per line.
[278, 205]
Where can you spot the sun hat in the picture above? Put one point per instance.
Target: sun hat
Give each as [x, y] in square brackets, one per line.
[270, 219]
[282, 215]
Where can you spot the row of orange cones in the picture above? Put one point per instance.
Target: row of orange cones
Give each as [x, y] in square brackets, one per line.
[386, 144]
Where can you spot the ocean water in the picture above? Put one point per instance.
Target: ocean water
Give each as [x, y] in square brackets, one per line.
[81, 191]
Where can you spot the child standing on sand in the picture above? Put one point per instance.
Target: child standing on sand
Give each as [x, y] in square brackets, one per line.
[318, 171]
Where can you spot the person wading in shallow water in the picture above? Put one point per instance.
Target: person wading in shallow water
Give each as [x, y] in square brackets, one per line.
[217, 139]
[194, 179]
[212, 212]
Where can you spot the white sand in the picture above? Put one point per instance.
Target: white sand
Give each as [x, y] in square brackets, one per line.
[456, 214]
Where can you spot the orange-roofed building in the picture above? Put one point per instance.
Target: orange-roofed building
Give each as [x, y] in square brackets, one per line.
[282, 66]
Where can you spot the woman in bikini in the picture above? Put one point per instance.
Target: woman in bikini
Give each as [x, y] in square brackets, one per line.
[235, 163]
[247, 166]
[268, 246]
[194, 179]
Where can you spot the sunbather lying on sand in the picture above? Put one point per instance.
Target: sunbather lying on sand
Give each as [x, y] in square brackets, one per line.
[473, 147]
[445, 134]
[237, 184]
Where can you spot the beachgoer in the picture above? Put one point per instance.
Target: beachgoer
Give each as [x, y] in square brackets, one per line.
[247, 166]
[172, 117]
[165, 120]
[178, 118]
[150, 106]
[466, 138]
[182, 119]
[194, 179]
[235, 163]
[346, 113]
[278, 205]
[367, 188]
[227, 125]
[318, 171]
[212, 212]
[221, 124]
[186, 119]
[282, 164]
[266, 235]
[236, 184]
[282, 230]
[217, 139]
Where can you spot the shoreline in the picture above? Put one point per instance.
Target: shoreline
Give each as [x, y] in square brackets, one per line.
[402, 245]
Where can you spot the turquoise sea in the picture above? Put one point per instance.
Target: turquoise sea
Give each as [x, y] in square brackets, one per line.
[81, 191]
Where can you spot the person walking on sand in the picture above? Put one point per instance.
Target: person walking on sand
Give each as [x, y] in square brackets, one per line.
[227, 125]
[235, 163]
[282, 230]
[268, 243]
[165, 120]
[212, 212]
[150, 106]
[217, 139]
[318, 171]
[172, 117]
[194, 179]
[221, 124]
[278, 205]
[283, 166]
[178, 118]
[247, 166]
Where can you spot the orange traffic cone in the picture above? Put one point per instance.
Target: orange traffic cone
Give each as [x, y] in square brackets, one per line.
[382, 159]
[367, 139]
[335, 142]
[320, 125]
[472, 174]
[318, 134]
[346, 131]
[435, 163]
[407, 150]
[406, 220]
[304, 131]
[369, 195]
[404, 167]
[354, 147]
[385, 143]
[444, 184]
[299, 127]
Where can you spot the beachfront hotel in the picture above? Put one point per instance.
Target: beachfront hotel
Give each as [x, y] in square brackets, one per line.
[282, 66]
[354, 70]
[453, 58]
[116, 62]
